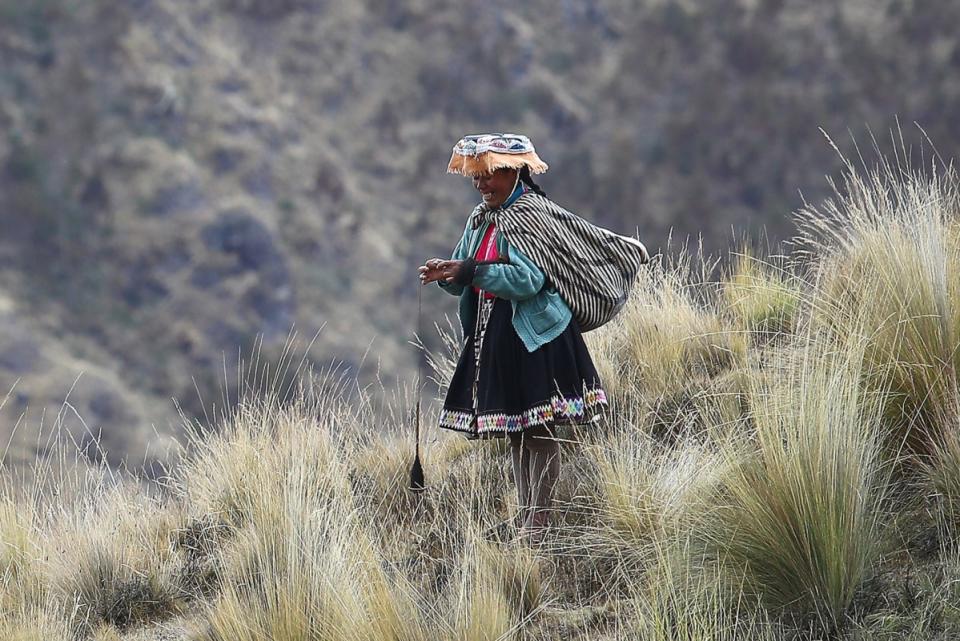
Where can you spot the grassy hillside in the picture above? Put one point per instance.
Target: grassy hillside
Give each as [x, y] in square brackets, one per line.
[781, 461]
[179, 178]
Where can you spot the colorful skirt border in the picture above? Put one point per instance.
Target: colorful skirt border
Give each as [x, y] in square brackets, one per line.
[573, 409]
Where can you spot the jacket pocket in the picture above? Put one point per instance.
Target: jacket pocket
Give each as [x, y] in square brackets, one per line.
[543, 322]
[544, 311]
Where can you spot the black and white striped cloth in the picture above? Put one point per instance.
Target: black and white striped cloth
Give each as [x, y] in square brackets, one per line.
[592, 268]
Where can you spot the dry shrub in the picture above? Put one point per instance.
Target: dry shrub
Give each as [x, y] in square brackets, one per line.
[199, 543]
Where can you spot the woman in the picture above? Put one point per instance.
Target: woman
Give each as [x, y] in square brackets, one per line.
[530, 276]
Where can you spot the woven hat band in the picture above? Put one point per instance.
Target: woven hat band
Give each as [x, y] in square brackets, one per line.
[480, 154]
[489, 162]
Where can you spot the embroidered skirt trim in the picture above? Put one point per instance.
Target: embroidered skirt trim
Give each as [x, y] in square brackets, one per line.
[557, 408]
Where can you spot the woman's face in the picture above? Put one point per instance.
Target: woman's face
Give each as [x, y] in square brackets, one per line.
[496, 187]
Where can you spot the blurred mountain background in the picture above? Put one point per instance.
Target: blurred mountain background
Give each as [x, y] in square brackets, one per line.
[178, 179]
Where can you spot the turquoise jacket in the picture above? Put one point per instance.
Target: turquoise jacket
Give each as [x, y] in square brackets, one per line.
[539, 313]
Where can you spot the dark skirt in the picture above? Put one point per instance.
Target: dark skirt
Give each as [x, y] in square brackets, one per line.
[517, 389]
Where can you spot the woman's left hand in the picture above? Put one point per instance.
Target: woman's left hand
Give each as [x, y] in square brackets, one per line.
[450, 269]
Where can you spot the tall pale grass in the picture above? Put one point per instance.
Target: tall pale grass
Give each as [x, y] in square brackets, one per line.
[325, 541]
[800, 523]
[648, 494]
[761, 515]
[762, 296]
[680, 600]
[92, 555]
[663, 350]
[26, 610]
[298, 564]
[35, 623]
[234, 472]
[498, 592]
[889, 269]
[310, 571]
[109, 559]
[21, 582]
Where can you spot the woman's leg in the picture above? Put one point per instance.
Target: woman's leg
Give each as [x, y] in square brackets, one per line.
[543, 451]
[521, 474]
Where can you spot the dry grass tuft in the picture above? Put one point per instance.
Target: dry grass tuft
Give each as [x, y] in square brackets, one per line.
[943, 469]
[800, 523]
[649, 494]
[234, 473]
[309, 573]
[763, 297]
[34, 624]
[890, 271]
[499, 592]
[657, 357]
[737, 490]
[21, 580]
[111, 560]
[681, 600]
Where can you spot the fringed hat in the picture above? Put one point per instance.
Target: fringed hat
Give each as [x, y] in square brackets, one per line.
[485, 153]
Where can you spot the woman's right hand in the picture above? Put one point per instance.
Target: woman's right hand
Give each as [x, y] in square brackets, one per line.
[432, 271]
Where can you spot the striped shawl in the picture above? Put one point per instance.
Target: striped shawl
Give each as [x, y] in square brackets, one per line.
[592, 268]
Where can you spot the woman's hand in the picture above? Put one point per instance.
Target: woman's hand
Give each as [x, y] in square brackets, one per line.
[438, 269]
[450, 270]
[430, 271]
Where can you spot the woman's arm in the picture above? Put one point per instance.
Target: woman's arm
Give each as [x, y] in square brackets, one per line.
[516, 278]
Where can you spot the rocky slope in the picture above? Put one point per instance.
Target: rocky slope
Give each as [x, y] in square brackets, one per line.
[179, 178]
